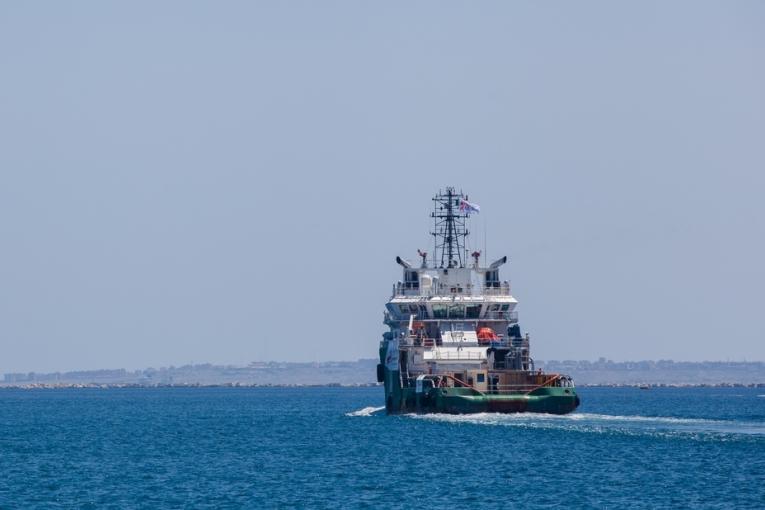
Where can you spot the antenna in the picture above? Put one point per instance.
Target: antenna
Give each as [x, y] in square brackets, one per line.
[424, 256]
[449, 231]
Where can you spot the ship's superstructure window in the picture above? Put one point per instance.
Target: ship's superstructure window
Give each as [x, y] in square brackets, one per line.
[408, 309]
[456, 311]
[411, 280]
[492, 278]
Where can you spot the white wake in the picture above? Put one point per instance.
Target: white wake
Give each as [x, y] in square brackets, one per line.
[366, 411]
[603, 423]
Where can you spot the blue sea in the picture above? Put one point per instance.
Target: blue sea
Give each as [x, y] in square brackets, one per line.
[335, 448]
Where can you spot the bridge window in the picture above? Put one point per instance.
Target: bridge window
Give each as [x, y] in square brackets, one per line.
[408, 309]
[456, 311]
[472, 311]
[439, 311]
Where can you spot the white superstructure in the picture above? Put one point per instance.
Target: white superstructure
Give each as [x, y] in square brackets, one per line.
[456, 317]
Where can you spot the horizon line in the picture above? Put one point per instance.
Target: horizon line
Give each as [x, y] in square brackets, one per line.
[358, 360]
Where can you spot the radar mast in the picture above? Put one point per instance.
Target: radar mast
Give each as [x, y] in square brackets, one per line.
[449, 228]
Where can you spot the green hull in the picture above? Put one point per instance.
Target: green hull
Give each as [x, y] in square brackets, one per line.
[551, 400]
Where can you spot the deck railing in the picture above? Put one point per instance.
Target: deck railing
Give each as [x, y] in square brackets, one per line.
[547, 380]
[511, 317]
[450, 355]
[406, 289]
[501, 341]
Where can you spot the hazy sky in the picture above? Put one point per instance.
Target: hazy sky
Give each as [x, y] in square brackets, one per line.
[231, 181]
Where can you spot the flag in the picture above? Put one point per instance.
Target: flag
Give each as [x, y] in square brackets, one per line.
[466, 207]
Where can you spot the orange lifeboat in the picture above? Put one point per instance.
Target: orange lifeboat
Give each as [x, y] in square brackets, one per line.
[486, 335]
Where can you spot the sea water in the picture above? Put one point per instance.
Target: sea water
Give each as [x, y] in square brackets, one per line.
[336, 448]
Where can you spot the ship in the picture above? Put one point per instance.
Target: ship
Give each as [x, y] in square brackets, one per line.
[454, 343]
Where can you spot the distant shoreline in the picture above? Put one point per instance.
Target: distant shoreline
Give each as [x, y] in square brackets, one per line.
[362, 372]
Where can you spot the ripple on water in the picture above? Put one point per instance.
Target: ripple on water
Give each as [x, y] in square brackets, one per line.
[335, 448]
[606, 423]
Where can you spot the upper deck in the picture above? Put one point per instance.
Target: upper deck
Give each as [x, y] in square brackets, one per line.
[456, 294]
[472, 281]
[408, 289]
[446, 287]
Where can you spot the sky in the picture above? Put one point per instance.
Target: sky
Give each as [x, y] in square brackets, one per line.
[223, 182]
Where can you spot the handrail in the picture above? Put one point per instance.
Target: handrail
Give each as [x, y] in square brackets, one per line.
[434, 342]
[508, 316]
[463, 383]
[458, 356]
[553, 378]
[500, 389]
[409, 289]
